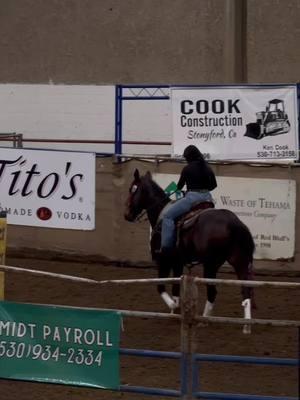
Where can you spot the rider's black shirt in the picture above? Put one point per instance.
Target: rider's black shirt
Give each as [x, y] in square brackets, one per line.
[197, 175]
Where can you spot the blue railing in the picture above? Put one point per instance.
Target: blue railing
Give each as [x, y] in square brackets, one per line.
[156, 92]
[200, 358]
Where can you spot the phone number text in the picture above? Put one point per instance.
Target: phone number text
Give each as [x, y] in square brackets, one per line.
[276, 154]
[47, 352]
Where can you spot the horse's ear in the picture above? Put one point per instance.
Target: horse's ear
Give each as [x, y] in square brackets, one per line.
[136, 175]
[148, 175]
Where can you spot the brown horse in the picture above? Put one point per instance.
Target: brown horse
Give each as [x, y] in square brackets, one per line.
[211, 238]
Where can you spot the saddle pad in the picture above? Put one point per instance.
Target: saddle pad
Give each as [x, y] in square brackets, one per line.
[187, 220]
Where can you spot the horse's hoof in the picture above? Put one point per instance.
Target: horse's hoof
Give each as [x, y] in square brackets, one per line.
[176, 305]
[202, 325]
[247, 330]
[176, 300]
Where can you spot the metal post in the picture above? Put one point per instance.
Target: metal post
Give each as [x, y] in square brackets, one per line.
[118, 120]
[189, 310]
[20, 140]
[235, 46]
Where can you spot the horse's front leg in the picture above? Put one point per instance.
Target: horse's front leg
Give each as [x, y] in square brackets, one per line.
[211, 291]
[164, 269]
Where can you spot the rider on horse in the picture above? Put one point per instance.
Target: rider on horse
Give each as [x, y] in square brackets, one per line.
[199, 179]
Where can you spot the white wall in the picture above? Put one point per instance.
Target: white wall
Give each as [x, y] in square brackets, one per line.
[82, 112]
[59, 112]
[149, 121]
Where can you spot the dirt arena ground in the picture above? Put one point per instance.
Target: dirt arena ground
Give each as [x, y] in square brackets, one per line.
[152, 334]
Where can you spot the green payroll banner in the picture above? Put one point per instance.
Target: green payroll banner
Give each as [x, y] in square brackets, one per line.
[63, 345]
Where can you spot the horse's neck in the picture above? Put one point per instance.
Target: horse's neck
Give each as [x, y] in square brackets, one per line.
[156, 205]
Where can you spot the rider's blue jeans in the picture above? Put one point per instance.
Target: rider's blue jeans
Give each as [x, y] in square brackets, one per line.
[181, 206]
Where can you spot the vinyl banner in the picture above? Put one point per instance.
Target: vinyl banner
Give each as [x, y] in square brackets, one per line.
[63, 345]
[52, 189]
[266, 206]
[236, 123]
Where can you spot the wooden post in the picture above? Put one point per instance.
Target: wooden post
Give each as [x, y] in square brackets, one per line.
[189, 311]
[3, 229]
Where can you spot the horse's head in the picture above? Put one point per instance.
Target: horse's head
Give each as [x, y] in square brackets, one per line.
[137, 199]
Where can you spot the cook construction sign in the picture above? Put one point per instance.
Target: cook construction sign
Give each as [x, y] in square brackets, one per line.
[53, 189]
[236, 122]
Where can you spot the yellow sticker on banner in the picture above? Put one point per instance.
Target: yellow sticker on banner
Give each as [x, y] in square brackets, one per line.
[2, 276]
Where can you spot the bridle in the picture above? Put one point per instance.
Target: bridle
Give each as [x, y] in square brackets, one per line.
[143, 213]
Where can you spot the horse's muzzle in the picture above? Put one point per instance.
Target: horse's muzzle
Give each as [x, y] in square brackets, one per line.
[129, 217]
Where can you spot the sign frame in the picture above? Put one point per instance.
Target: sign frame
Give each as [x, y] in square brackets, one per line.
[48, 188]
[54, 344]
[224, 121]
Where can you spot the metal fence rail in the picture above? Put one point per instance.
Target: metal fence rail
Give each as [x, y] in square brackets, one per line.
[15, 138]
[197, 358]
[189, 319]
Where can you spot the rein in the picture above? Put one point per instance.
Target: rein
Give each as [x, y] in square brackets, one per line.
[143, 213]
[140, 216]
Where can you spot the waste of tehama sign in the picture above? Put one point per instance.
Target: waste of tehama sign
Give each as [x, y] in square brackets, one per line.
[52, 189]
[59, 345]
[242, 123]
[266, 206]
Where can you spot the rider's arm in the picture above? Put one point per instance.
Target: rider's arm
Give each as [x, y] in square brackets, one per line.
[212, 181]
[181, 181]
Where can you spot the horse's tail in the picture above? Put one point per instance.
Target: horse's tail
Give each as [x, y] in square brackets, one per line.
[251, 276]
[242, 236]
[247, 242]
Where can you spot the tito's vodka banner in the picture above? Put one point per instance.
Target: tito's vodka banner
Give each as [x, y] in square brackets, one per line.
[241, 123]
[52, 189]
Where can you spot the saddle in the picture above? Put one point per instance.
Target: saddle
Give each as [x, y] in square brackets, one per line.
[183, 222]
[186, 220]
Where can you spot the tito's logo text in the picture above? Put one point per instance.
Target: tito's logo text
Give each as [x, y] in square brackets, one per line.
[27, 181]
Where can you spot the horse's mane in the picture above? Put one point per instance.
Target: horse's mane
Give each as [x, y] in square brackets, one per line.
[154, 189]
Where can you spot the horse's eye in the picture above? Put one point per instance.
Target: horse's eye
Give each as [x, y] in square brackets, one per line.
[134, 188]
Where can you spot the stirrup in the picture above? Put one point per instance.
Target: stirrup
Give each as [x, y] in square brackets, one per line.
[165, 250]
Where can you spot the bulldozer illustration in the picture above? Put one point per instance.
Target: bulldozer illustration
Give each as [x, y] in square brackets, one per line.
[272, 121]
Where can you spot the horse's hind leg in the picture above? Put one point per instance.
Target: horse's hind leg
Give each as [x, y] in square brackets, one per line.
[243, 269]
[177, 272]
[210, 272]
